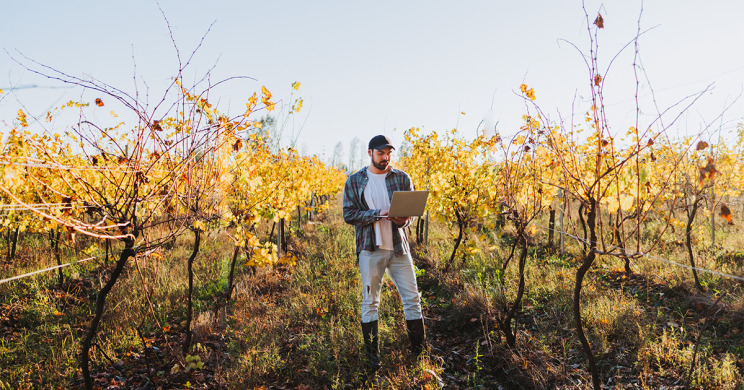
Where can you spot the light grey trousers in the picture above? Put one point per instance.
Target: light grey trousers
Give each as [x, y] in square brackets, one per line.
[373, 265]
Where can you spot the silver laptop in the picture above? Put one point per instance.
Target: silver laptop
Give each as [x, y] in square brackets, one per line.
[407, 204]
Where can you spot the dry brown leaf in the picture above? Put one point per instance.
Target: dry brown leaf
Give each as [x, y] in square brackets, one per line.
[726, 214]
[599, 21]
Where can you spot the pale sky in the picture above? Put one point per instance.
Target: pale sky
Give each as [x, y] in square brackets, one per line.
[386, 66]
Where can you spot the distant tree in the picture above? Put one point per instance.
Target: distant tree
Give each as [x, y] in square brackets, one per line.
[338, 154]
[268, 129]
[354, 145]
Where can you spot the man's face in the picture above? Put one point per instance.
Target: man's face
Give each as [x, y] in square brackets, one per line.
[381, 157]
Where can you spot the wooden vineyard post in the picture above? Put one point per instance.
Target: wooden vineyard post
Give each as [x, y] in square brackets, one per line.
[551, 227]
[426, 230]
[279, 236]
[560, 218]
[713, 220]
[426, 221]
[283, 226]
[313, 205]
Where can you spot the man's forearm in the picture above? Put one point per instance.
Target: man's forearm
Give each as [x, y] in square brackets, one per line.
[359, 217]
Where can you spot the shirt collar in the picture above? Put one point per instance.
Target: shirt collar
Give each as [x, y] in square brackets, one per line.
[392, 171]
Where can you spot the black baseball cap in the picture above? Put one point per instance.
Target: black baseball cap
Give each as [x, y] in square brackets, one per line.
[380, 142]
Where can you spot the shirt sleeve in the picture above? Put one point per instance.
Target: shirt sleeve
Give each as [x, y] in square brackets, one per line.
[353, 209]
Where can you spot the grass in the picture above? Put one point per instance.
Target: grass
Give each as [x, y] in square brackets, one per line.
[297, 327]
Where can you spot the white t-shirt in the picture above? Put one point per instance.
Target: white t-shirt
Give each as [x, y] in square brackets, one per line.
[376, 196]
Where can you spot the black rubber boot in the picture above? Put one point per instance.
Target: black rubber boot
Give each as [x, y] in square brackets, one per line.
[416, 335]
[371, 343]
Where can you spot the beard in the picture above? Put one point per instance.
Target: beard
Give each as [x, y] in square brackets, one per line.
[382, 165]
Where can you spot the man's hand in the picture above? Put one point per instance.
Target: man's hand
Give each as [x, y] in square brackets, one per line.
[399, 221]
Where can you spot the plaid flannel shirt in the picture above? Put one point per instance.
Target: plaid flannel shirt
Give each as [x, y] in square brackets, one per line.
[357, 213]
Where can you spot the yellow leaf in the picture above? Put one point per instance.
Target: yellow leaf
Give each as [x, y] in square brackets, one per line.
[612, 204]
[626, 202]
[199, 225]
[22, 118]
[250, 105]
[266, 93]
[529, 92]
[296, 85]
[13, 175]
[288, 259]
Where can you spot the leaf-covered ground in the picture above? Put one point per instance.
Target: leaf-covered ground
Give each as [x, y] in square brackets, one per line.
[297, 326]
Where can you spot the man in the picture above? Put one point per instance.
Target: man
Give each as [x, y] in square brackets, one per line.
[381, 244]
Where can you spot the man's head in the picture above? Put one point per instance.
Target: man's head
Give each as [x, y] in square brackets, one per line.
[380, 149]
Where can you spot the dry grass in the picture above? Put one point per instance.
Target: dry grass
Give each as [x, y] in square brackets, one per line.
[298, 327]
